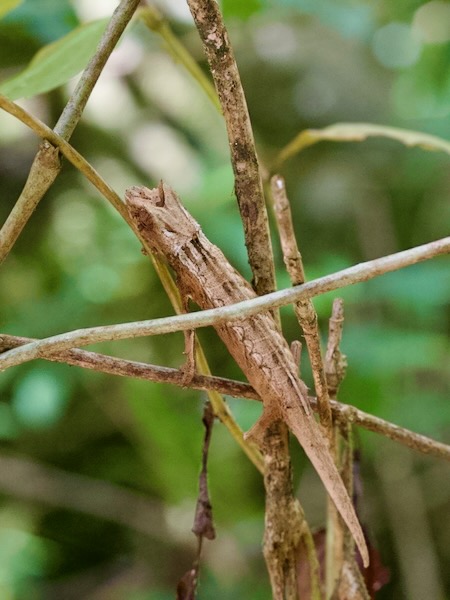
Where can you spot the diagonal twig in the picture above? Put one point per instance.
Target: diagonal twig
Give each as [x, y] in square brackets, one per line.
[342, 413]
[74, 108]
[356, 274]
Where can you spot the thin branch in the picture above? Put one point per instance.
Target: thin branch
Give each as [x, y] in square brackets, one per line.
[102, 363]
[126, 368]
[308, 321]
[248, 185]
[404, 436]
[358, 132]
[356, 274]
[74, 108]
[46, 165]
[43, 172]
[306, 314]
[335, 360]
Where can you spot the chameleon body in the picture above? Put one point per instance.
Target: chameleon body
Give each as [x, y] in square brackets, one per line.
[204, 274]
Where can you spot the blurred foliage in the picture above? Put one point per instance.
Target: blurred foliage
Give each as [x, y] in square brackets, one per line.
[56, 63]
[303, 64]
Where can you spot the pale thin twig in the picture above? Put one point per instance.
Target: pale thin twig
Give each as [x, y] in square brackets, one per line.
[304, 309]
[46, 164]
[43, 172]
[356, 274]
[126, 368]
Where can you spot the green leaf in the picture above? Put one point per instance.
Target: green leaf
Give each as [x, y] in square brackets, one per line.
[7, 6]
[56, 63]
[44, 21]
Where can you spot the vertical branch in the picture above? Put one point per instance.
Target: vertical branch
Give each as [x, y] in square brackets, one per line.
[283, 520]
[335, 371]
[47, 165]
[285, 525]
[304, 309]
[342, 572]
[335, 361]
[248, 185]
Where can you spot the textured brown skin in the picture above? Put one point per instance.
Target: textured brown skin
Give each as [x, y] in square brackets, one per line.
[205, 275]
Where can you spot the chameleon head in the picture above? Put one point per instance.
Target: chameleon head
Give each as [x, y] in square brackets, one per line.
[161, 219]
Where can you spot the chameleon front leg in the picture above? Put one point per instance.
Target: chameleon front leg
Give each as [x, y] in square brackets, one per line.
[188, 368]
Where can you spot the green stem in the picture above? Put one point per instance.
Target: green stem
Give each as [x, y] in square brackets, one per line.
[155, 21]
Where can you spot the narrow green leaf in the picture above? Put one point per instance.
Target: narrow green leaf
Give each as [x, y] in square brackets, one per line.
[7, 6]
[56, 63]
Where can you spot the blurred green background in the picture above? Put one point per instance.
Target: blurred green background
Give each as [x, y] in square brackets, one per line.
[98, 474]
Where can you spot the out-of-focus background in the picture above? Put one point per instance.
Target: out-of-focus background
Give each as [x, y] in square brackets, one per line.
[98, 474]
